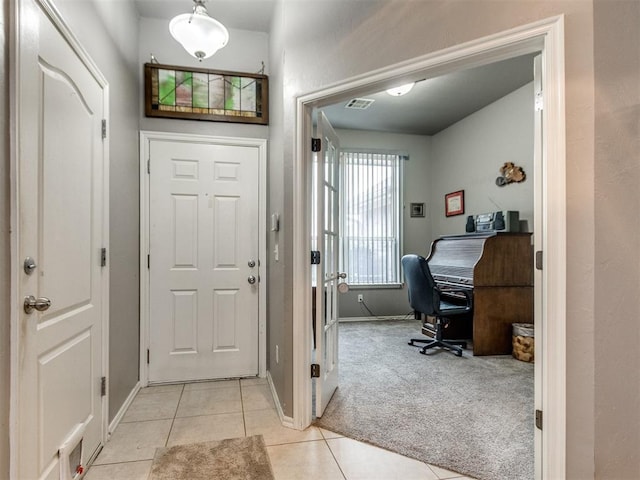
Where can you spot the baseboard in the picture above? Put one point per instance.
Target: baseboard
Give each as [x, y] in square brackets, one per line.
[123, 409]
[370, 319]
[286, 421]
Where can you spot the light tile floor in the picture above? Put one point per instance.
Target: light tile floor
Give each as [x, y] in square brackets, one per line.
[197, 412]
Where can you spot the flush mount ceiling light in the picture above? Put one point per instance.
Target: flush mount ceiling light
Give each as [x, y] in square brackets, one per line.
[198, 33]
[401, 90]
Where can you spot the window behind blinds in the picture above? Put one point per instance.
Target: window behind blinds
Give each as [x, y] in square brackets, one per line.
[370, 214]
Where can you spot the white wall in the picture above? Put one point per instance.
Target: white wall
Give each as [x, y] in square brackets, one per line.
[617, 237]
[468, 156]
[279, 323]
[416, 232]
[245, 52]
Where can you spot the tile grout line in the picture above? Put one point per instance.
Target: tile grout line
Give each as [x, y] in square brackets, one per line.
[166, 442]
[334, 457]
[244, 421]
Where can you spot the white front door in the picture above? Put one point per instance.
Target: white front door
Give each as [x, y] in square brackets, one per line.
[204, 265]
[62, 198]
[327, 275]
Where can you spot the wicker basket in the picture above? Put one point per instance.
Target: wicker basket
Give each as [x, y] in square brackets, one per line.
[523, 341]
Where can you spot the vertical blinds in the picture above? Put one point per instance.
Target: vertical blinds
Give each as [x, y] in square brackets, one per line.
[370, 234]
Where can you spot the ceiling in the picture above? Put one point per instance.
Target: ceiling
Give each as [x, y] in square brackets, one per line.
[253, 15]
[433, 104]
[436, 103]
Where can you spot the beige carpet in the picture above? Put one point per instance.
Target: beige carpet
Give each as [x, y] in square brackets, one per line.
[233, 459]
[472, 415]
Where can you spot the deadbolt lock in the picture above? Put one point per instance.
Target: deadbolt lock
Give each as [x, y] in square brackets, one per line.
[29, 265]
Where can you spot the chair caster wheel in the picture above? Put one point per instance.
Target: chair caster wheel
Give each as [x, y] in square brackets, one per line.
[459, 353]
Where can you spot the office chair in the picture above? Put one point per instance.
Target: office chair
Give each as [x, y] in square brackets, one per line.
[425, 297]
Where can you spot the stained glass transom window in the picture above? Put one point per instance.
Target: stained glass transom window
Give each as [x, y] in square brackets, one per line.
[205, 94]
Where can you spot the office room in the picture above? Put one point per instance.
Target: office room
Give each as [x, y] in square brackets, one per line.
[458, 149]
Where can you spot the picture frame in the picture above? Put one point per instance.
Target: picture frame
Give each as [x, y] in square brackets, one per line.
[417, 210]
[454, 203]
[190, 93]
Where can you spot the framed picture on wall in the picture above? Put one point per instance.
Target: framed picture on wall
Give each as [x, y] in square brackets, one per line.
[417, 209]
[454, 203]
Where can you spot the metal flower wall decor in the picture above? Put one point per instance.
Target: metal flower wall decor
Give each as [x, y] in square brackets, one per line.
[510, 173]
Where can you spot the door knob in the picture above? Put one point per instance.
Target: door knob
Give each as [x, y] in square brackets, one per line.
[251, 279]
[32, 303]
[251, 263]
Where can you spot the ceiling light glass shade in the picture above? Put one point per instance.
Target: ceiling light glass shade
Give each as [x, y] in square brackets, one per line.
[401, 90]
[198, 33]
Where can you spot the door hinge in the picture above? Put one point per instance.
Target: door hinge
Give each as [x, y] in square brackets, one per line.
[539, 260]
[315, 257]
[539, 419]
[103, 257]
[539, 102]
[316, 144]
[148, 166]
[148, 356]
[148, 261]
[315, 370]
[103, 386]
[104, 128]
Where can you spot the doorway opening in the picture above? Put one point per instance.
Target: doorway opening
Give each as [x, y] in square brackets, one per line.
[544, 37]
[465, 152]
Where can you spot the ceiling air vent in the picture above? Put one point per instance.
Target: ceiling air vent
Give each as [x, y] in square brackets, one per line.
[359, 103]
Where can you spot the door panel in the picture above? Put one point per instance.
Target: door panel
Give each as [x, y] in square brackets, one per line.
[203, 233]
[61, 170]
[327, 275]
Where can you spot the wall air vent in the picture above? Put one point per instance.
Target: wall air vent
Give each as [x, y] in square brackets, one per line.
[359, 103]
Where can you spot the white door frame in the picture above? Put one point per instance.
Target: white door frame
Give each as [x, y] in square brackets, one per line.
[261, 144]
[16, 25]
[545, 36]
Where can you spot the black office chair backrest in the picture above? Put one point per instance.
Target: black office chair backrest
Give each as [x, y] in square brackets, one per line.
[422, 293]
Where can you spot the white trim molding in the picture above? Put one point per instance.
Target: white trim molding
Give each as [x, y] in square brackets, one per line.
[123, 409]
[286, 421]
[261, 144]
[547, 37]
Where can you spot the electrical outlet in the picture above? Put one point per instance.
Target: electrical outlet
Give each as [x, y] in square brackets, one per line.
[360, 298]
[277, 355]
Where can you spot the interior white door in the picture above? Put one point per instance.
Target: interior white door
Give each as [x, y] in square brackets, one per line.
[61, 161]
[204, 261]
[327, 275]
